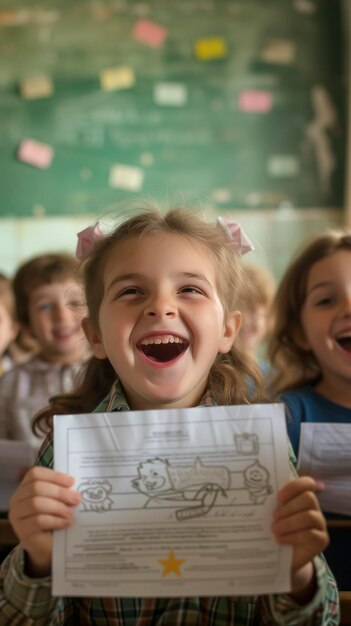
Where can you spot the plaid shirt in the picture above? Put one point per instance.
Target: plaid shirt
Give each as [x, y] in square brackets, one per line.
[26, 602]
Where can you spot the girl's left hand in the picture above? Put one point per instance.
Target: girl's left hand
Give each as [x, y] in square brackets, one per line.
[299, 522]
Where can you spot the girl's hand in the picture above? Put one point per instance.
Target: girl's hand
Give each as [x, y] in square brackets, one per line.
[299, 522]
[43, 502]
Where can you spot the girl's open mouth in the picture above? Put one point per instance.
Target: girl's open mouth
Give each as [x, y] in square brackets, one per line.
[163, 348]
[345, 342]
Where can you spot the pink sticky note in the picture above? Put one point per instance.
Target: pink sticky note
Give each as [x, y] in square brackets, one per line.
[35, 153]
[255, 101]
[150, 33]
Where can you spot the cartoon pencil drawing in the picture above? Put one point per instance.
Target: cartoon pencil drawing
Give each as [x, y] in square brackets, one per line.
[256, 480]
[189, 490]
[164, 484]
[247, 443]
[203, 501]
[95, 495]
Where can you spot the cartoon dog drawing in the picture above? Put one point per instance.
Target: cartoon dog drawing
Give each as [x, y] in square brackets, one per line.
[95, 495]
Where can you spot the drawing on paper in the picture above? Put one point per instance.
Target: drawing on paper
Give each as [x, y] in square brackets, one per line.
[95, 495]
[247, 443]
[188, 491]
[256, 480]
[198, 486]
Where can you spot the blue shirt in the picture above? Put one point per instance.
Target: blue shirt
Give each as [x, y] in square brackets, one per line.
[307, 405]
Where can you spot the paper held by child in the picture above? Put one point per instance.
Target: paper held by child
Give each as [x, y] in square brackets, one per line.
[175, 502]
[325, 454]
[15, 458]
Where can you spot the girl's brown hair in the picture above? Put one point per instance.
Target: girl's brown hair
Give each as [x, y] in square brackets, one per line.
[230, 373]
[294, 367]
[7, 296]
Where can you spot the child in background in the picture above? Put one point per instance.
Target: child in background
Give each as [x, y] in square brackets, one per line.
[49, 303]
[310, 350]
[255, 305]
[162, 319]
[11, 352]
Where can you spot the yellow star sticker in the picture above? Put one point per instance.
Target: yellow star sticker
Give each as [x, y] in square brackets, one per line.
[171, 565]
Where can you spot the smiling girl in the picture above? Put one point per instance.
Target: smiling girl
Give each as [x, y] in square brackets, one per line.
[310, 351]
[162, 320]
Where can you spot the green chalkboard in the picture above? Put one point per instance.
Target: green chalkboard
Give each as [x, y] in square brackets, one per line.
[261, 125]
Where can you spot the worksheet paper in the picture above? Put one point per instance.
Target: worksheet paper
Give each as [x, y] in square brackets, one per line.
[174, 502]
[325, 453]
[16, 457]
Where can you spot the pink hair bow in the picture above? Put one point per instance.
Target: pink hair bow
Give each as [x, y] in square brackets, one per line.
[87, 238]
[235, 233]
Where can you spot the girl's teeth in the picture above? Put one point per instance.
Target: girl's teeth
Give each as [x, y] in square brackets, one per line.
[158, 340]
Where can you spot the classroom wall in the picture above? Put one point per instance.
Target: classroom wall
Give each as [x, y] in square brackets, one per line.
[275, 234]
[279, 204]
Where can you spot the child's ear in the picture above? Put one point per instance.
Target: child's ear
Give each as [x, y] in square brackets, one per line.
[94, 339]
[231, 328]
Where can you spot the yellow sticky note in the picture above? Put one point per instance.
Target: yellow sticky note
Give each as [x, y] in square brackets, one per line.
[211, 49]
[35, 87]
[115, 78]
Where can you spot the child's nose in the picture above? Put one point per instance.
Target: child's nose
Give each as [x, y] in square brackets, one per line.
[347, 306]
[160, 307]
[62, 312]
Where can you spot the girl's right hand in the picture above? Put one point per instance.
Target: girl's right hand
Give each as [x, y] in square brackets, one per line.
[43, 502]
